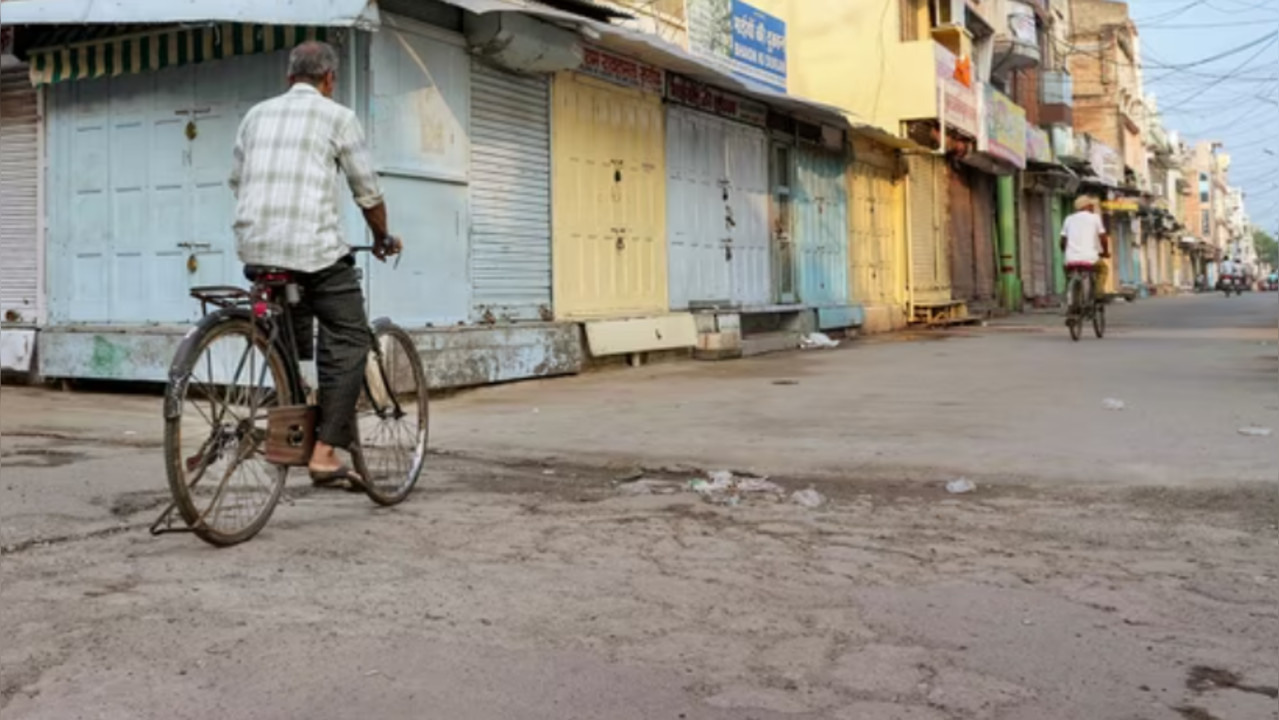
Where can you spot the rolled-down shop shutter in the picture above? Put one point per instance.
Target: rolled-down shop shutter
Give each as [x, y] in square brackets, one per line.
[510, 195]
[1040, 251]
[962, 227]
[929, 267]
[19, 192]
[986, 260]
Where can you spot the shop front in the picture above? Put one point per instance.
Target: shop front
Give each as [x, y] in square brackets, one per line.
[717, 199]
[821, 226]
[984, 254]
[21, 193]
[879, 273]
[1040, 189]
[141, 124]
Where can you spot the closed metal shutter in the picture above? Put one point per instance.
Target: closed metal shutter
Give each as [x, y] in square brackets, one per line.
[19, 192]
[985, 253]
[717, 211]
[1040, 256]
[963, 271]
[821, 228]
[510, 195]
[929, 266]
[873, 230]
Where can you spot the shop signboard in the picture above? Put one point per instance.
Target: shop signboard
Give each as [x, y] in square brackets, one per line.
[1106, 163]
[741, 38]
[1005, 136]
[958, 94]
[622, 71]
[1038, 146]
[684, 91]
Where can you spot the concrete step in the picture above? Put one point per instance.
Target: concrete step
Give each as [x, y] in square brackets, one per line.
[764, 343]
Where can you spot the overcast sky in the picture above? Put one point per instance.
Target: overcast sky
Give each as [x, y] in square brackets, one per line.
[1234, 99]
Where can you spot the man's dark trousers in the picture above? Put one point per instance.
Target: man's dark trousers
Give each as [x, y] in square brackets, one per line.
[333, 297]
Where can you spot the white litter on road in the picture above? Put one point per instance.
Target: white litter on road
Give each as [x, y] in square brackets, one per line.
[725, 488]
[809, 498]
[1255, 431]
[817, 341]
[1113, 404]
[649, 487]
[960, 486]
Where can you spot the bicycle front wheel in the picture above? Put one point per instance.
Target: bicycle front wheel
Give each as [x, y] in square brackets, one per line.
[393, 417]
[224, 379]
[1099, 320]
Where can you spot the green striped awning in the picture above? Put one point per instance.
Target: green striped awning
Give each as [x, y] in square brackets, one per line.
[171, 47]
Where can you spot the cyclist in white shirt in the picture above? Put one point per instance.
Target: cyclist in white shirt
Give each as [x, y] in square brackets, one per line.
[1084, 241]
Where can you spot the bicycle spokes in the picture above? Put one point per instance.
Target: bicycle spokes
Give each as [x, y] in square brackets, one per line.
[223, 478]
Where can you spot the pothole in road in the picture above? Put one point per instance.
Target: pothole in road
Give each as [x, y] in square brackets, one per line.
[40, 458]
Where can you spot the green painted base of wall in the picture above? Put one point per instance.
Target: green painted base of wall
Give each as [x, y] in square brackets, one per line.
[1010, 297]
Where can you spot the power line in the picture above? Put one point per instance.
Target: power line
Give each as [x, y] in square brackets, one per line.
[1197, 26]
[1237, 70]
[1267, 39]
[1169, 14]
[1175, 70]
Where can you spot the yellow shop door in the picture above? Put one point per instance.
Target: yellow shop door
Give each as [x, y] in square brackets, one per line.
[609, 200]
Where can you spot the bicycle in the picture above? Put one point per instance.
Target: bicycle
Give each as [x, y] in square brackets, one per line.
[1082, 302]
[260, 418]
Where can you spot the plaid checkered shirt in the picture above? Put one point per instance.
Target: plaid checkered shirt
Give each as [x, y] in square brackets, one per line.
[285, 178]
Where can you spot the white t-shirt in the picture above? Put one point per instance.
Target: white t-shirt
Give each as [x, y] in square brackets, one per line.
[1228, 267]
[1083, 231]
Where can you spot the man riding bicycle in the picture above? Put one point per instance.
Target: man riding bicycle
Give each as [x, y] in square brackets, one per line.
[287, 156]
[1084, 242]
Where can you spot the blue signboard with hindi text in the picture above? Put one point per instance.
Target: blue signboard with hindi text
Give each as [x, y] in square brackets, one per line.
[759, 46]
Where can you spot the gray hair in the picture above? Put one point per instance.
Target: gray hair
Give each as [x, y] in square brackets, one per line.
[312, 60]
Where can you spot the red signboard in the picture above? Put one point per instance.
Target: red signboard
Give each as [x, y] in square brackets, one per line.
[713, 100]
[623, 71]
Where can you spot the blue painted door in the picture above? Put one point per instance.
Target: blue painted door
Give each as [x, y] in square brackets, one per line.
[1123, 238]
[419, 120]
[139, 208]
[821, 228]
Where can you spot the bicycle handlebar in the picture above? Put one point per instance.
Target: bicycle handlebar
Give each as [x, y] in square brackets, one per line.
[371, 248]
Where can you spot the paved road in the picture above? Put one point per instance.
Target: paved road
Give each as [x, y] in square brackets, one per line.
[1016, 403]
[1105, 556]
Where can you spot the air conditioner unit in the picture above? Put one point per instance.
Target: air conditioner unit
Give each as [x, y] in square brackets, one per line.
[950, 12]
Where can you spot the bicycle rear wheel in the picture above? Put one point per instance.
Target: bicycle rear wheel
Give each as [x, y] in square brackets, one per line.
[1099, 320]
[393, 417]
[223, 380]
[1074, 311]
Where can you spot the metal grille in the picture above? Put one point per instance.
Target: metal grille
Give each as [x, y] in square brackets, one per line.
[19, 191]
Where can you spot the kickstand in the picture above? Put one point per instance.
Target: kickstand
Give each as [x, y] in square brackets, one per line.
[164, 524]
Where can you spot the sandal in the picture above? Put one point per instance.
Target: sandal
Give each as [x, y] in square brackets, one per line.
[336, 478]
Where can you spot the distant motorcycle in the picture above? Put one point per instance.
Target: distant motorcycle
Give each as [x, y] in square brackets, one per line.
[1232, 283]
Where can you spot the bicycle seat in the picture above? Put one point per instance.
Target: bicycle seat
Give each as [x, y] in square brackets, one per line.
[266, 273]
[1080, 266]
